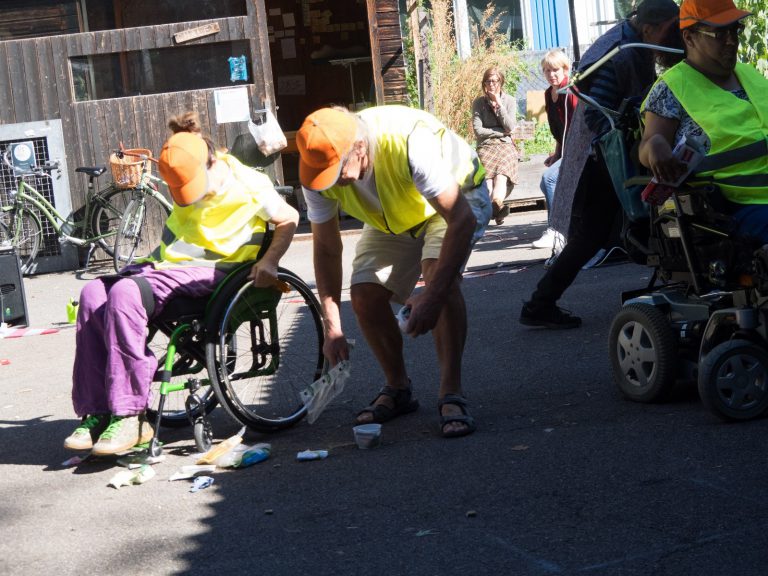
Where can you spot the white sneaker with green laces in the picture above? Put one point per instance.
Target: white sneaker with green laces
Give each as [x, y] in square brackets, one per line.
[123, 433]
[87, 433]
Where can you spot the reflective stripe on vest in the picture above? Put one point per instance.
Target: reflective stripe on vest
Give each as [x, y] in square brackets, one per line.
[738, 158]
[220, 230]
[402, 206]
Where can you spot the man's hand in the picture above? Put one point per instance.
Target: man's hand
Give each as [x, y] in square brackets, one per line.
[425, 312]
[335, 347]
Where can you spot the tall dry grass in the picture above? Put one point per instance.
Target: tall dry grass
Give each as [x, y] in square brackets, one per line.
[456, 83]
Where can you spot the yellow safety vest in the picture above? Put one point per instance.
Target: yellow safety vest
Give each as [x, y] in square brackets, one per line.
[402, 206]
[219, 231]
[738, 129]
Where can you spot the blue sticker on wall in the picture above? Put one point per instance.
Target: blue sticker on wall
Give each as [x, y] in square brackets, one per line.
[237, 69]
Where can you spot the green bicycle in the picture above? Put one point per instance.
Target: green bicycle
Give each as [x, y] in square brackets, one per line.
[93, 226]
[143, 218]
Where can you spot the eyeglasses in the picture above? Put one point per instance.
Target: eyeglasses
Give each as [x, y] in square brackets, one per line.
[721, 34]
[492, 81]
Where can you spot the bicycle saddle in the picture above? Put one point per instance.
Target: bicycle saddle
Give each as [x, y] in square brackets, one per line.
[94, 171]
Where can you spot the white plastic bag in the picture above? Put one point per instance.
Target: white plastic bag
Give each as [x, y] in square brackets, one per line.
[318, 394]
[267, 133]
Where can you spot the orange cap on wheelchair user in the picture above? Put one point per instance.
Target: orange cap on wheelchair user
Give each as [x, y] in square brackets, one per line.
[715, 13]
[323, 141]
[183, 165]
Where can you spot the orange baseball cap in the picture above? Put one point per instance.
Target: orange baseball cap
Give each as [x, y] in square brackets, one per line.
[183, 165]
[715, 13]
[323, 140]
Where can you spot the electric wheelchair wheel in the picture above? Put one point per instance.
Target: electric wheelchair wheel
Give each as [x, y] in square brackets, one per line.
[733, 380]
[643, 353]
[272, 343]
[188, 363]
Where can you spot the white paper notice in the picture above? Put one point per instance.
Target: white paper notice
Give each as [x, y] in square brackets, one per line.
[288, 48]
[232, 105]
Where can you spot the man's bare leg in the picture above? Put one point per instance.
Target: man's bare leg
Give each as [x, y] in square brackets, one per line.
[379, 326]
[450, 335]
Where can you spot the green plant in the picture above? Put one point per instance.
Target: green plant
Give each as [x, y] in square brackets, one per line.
[754, 45]
[542, 142]
[456, 82]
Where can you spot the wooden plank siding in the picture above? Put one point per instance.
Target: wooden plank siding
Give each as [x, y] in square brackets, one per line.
[36, 84]
[387, 51]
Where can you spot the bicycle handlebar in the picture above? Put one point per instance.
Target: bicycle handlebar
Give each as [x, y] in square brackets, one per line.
[39, 170]
[123, 153]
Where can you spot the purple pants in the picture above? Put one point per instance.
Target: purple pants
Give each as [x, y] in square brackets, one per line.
[114, 366]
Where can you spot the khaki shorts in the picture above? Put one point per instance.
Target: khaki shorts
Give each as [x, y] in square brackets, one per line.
[394, 261]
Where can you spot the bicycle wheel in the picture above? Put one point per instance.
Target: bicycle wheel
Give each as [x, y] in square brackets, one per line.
[24, 232]
[109, 205]
[272, 343]
[140, 229]
[188, 363]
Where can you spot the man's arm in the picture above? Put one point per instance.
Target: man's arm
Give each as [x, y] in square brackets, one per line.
[427, 305]
[327, 250]
[264, 272]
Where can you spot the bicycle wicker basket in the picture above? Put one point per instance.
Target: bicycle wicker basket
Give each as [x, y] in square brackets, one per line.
[126, 171]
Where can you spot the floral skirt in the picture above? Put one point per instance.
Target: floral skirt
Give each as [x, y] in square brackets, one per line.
[499, 157]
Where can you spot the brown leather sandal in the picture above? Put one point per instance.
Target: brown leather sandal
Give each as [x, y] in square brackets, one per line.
[381, 413]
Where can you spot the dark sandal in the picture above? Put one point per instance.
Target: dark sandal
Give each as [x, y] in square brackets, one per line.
[381, 413]
[464, 417]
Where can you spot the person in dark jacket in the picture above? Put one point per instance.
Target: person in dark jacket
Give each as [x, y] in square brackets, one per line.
[585, 202]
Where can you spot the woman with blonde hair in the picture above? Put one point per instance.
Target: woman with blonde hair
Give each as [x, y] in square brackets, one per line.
[559, 107]
[493, 119]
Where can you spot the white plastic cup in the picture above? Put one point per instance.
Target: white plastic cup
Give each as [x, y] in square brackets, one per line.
[367, 435]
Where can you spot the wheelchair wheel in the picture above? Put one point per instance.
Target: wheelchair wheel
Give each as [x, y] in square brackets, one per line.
[186, 365]
[733, 380]
[643, 353]
[272, 346]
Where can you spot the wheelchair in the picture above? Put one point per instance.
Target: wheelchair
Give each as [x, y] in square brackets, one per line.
[250, 349]
[702, 316]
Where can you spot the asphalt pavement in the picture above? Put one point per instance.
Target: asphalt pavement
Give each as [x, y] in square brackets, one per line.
[562, 476]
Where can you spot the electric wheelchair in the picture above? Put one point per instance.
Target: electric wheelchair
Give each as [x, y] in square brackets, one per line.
[702, 316]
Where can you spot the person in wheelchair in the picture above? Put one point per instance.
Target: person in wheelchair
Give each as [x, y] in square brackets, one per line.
[713, 98]
[219, 218]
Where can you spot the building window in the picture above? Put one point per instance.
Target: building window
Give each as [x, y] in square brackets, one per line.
[508, 13]
[36, 18]
[158, 70]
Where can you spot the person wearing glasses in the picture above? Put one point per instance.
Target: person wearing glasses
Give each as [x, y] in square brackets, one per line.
[720, 102]
[420, 191]
[493, 118]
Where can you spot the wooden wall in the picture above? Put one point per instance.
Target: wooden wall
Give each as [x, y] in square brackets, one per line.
[36, 84]
[387, 51]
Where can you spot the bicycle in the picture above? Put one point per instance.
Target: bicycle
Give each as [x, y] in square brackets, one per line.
[144, 217]
[95, 225]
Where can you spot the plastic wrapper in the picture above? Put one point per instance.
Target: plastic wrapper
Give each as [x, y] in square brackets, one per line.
[306, 455]
[129, 477]
[319, 394]
[243, 455]
[222, 448]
